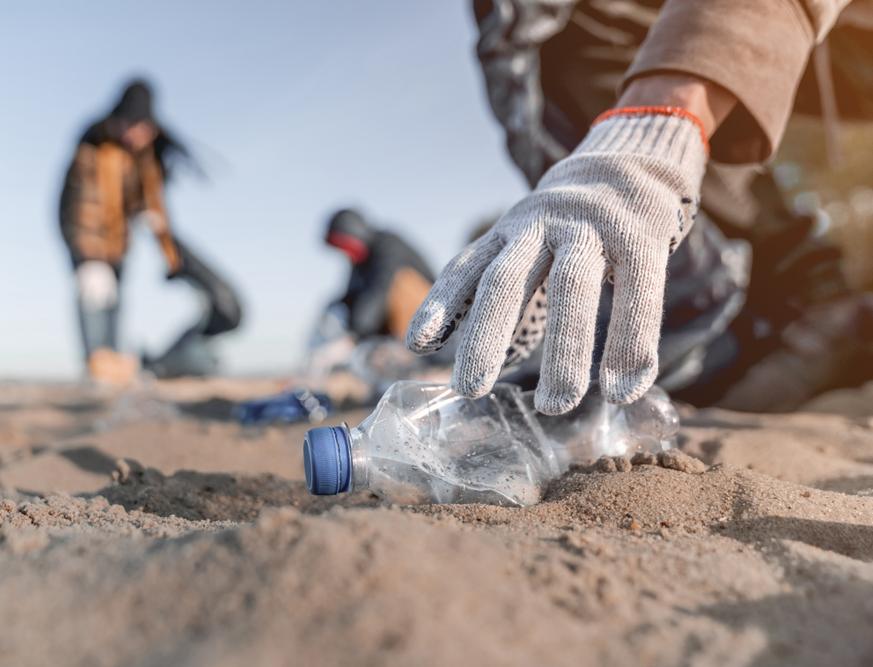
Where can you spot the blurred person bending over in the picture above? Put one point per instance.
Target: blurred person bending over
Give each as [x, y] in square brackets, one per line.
[118, 173]
[388, 278]
[627, 189]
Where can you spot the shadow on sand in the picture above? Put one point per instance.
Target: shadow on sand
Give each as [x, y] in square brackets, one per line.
[217, 496]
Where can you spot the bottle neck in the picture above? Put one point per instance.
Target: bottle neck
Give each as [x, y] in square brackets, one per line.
[360, 459]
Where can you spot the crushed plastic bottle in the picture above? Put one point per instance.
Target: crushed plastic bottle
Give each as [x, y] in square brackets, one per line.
[425, 444]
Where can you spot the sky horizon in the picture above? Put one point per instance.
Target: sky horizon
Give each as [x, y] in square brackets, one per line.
[294, 111]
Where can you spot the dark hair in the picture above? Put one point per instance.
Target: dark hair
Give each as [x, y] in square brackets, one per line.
[136, 105]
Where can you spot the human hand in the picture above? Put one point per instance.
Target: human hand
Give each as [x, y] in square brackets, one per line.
[616, 208]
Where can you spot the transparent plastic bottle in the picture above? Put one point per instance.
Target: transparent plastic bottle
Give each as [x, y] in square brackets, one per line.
[425, 444]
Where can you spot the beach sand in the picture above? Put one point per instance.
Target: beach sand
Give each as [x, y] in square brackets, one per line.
[147, 528]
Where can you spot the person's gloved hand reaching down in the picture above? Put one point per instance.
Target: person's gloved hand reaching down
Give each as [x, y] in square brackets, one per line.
[615, 208]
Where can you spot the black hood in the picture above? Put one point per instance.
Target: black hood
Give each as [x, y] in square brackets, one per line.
[350, 223]
[135, 104]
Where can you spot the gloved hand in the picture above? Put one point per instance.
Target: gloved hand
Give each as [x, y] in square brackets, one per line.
[615, 208]
[157, 222]
[171, 254]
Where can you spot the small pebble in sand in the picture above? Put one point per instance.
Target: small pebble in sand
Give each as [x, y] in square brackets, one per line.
[622, 464]
[631, 523]
[644, 459]
[98, 503]
[613, 464]
[122, 471]
[676, 460]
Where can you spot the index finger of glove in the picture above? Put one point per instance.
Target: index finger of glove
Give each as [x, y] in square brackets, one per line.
[451, 296]
[504, 291]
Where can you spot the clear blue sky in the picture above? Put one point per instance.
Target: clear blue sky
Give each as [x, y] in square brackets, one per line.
[293, 107]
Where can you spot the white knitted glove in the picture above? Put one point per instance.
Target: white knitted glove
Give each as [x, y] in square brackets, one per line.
[615, 208]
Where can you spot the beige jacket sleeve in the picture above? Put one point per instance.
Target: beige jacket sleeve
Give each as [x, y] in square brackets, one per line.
[756, 49]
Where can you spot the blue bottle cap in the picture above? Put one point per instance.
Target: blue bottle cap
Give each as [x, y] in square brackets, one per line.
[327, 460]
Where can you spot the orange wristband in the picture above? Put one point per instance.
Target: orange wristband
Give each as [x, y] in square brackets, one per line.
[656, 110]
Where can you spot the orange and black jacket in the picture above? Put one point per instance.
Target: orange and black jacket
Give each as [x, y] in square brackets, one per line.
[104, 187]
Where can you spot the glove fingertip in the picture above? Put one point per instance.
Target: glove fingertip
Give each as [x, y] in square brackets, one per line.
[624, 387]
[416, 345]
[471, 385]
[550, 402]
[417, 340]
[427, 331]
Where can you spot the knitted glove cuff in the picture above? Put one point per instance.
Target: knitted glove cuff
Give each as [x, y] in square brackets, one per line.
[677, 112]
[666, 134]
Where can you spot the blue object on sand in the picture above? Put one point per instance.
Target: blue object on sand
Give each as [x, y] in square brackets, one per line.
[285, 408]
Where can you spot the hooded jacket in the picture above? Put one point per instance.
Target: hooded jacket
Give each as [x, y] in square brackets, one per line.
[106, 185]
[388, 280]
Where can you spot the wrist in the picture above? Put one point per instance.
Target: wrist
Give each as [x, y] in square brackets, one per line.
[706, 101]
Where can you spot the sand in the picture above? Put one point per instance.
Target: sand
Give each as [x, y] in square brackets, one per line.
[147, 528]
